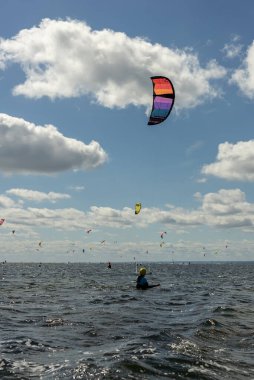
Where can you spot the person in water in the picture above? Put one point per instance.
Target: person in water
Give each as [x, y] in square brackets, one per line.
[142, 282]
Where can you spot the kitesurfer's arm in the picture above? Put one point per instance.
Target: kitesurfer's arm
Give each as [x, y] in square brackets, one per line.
[153, 286]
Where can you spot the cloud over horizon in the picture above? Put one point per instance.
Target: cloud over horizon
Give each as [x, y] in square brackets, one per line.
[223, 209]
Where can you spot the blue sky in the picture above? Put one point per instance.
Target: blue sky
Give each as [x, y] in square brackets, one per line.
[75, 149]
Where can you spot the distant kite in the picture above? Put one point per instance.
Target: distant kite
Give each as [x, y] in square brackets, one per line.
[1, 221]
[88, 231]
[137, 208]
[163, 233]
[163, 99]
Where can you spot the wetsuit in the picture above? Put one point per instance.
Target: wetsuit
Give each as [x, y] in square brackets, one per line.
[142, 283]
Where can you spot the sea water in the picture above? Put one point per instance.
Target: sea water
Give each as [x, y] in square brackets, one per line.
[85, 321]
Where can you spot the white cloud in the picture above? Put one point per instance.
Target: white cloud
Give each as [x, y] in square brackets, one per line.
[38, 196]
[6, 202]
[224, 209]
[68, 58]
[110, 217]
[228, 209]
[244, 76]
[30, 149]
[226, 202]
[233, 162]
[233, 49]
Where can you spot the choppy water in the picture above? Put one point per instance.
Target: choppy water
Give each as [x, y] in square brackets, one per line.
[85, 321]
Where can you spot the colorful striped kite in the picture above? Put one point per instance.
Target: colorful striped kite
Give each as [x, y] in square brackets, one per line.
[163, 99]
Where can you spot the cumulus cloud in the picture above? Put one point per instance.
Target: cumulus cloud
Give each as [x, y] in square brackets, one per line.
[233, 162]
[31, 149]
[244, 76]
[228, 209]
[70, 219]
[226, 202]
[66, 58]
[38, 196]
[224, 209]
[108, 216]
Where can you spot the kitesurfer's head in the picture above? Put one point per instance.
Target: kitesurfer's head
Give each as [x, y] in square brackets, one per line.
[142, 271]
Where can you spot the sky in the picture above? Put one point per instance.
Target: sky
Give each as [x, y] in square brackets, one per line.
[76, 153]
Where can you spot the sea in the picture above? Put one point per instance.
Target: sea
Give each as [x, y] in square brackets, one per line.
[86, 321]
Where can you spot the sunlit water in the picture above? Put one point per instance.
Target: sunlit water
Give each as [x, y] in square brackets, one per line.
[85, 321]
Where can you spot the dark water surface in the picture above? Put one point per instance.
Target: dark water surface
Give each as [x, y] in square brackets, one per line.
[85, 321]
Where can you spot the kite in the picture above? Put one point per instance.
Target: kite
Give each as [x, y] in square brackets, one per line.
[1, 221]
[88, 231]
[163, 233]
[137, 208]
[163, 99]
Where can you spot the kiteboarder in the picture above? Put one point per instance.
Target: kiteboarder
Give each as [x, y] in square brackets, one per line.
[109, 265]
[142, 282]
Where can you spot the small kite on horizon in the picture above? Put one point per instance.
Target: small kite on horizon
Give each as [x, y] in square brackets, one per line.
[137, 208]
